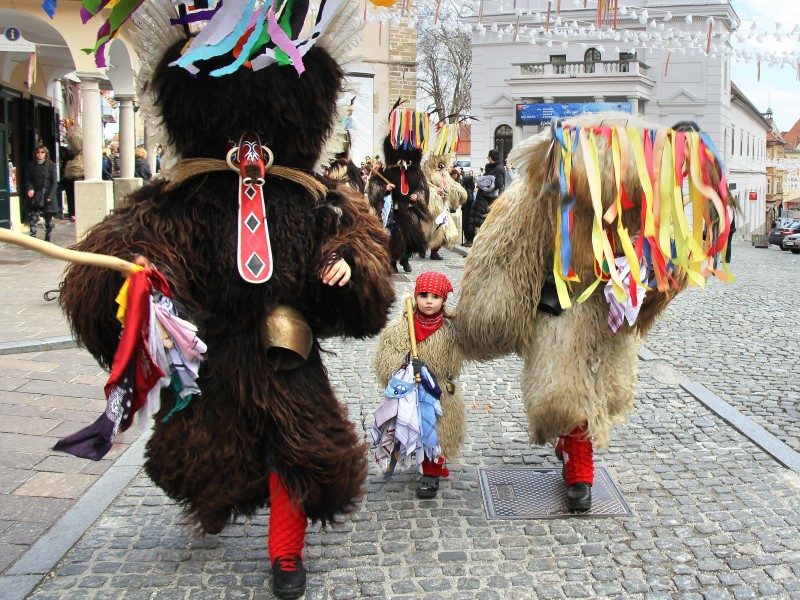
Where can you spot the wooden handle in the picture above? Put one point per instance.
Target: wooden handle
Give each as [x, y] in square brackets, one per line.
[411, 334]
[75, 256]
[374, 172]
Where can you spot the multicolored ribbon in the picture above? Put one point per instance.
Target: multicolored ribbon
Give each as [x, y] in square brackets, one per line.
[447, 138]
[662, 158]
[409, 129]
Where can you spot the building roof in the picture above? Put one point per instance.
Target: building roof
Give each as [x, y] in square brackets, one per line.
[792, 136]
[737, 94]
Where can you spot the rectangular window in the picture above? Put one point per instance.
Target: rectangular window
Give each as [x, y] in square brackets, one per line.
[558, 60]
[625, 60]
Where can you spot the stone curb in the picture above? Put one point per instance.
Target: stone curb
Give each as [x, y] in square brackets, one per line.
[33, 566]
[57, 343]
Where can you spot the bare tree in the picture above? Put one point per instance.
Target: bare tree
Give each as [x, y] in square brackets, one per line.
[444, 59]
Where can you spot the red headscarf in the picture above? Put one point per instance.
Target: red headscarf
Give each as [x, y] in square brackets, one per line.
[433, 283]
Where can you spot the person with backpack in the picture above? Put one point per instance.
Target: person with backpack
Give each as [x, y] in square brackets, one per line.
[490, 185]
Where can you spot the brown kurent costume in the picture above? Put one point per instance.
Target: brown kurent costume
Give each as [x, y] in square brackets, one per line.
[410, 216]
[576, 372]
[444, 359]
[215, 457]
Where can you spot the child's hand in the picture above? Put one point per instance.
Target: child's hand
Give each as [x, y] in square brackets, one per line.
[338, 272]
[413, 197]
[417, 365]
[389, 187]
[144, 263]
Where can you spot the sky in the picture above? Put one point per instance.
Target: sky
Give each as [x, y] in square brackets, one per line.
[778, 88]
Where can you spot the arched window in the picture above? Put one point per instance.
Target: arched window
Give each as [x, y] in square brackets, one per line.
[591, 56]
[503, 140]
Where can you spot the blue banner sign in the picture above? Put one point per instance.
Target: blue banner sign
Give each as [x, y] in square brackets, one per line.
[536, 114]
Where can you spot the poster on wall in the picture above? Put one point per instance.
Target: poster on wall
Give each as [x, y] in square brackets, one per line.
[537, 114]
[752, 196]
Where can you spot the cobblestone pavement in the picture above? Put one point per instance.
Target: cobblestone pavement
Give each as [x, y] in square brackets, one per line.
[714, 515]
[741, 340]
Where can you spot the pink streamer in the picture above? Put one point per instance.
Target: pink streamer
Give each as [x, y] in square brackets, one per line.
[283, 42]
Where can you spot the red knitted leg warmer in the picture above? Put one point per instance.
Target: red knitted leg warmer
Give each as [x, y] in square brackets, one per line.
[577, 448]
[435, 468]
[287, 524]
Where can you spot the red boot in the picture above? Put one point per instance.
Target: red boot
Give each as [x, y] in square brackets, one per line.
[287, 532]
[428, 485]
[576, 450]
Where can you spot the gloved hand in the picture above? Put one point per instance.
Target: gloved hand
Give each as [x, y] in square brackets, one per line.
[417, 363]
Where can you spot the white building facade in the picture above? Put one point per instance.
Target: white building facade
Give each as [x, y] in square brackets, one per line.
[664, 61]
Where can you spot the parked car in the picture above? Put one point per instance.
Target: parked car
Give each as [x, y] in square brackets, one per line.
[791, 242]
[777, 234]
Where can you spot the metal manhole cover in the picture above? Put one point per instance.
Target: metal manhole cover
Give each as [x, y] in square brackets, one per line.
[539, 494]
[399, 277]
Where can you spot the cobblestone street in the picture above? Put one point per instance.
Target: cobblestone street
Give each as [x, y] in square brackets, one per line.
[714, 514]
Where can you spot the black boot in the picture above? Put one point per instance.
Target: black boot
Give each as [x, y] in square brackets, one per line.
[579, 497]
[288, 577]
[406, 266]
[394, 267]
[428, 486]
[435, 255]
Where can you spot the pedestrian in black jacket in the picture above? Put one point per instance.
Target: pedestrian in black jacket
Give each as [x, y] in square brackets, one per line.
[41, 179]
[484, 199]
[466, 208]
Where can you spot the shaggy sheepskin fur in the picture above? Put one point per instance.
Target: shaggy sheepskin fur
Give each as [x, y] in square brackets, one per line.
[444, 359]
[575, 369]
[215, 456]
[410, 216]
[444, 192]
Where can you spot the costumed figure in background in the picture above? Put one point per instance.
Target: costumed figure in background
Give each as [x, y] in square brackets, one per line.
[597, 225]
[446, 194]
[427, 423]
[400, 193]
[263, 257]
[73, 168]
[342, 168]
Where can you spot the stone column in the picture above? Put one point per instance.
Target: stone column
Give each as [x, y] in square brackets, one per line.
[634, 100]
[92, 123]
[127, 135]
[94, 198]
[126, 182]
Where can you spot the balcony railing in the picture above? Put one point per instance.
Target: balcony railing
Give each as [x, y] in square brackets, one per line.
[585, 69]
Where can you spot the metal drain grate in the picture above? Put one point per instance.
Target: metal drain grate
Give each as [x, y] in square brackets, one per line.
[539, 494]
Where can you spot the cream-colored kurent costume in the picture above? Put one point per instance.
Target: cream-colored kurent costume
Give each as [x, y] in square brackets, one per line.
[444, 359]
[577, 372]
[446, 197]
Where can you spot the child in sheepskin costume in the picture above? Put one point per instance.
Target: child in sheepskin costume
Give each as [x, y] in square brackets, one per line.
[446, 197]
[402, 177]
[262, 431]
[590, 178]
[436, 345]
